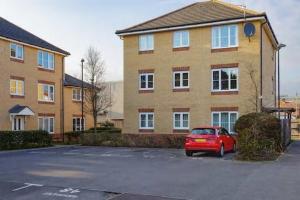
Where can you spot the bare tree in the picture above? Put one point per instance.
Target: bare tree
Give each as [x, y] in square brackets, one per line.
[96, 98]
[254, 97]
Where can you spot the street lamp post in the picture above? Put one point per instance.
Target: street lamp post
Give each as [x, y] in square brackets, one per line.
[279, 47]
[81, 93]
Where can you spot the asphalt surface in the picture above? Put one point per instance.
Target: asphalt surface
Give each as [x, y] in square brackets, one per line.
[144, 174]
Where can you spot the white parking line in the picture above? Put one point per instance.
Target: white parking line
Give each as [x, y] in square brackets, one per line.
[27, 185]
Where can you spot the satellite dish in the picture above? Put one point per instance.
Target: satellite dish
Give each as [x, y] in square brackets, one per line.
[249, 29]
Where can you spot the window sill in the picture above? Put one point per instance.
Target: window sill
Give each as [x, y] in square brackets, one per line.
[181, 130]
[45, 70]
[181, 48]
[146, 130]
[224, 49]
[181, 89]
[46, 102]
[225, 93]
[146, 52]
[146, 91]
[16, 60]
[17, 96]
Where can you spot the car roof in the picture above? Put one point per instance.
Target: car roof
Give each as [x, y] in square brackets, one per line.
[212, 127]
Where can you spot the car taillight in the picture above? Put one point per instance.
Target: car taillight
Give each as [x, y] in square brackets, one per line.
[187, 140]
[211, 139]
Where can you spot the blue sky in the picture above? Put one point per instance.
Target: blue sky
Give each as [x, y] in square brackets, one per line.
[76, 24]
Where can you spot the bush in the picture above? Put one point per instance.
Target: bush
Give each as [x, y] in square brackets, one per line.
[24, 139]
[258, 137]
[133, 140]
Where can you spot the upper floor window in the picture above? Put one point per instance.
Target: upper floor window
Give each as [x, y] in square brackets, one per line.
[45, 92]
[46, 60]
[146, 42]
[46, 124]
[225, 119]
[146, 120]
[181, 79]
[17, 87]
[181, 120]
[76, 94]
[181, 39]
[225, 79]
[16, 51]
[224, 36]
[146, 81]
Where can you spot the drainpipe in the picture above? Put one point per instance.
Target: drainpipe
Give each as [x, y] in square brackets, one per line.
[261, 64]
[275, 78]
[63, 101]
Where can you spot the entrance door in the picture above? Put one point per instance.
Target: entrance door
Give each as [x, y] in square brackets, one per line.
[18, 124]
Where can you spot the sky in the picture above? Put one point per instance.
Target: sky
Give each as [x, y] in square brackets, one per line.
[74, 25]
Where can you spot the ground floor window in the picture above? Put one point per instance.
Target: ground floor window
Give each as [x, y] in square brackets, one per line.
[146, 120]
[78, 124]
[46, 124]
[225, 119]
[181, 120]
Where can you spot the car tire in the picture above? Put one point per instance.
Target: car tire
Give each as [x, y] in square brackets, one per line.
[189, 153]
[222, 151]
[234, 148]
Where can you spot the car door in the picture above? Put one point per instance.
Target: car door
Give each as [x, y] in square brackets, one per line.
[229, 142]
[222, 136]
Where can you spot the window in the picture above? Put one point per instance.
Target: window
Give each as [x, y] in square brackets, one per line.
[17, 87]
[147, 81]
[76, 94]
[181, 39]
[46, 124]
[225, 120]
[16, 51]
[224, 36]
[181, 79]
[45, 92]
[181, 120]
[78, 124]
[146, 42]
[146, 120]
[225, 79]
[46, 60]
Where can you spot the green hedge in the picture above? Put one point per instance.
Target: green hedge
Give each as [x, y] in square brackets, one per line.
[24, 139]
[133, 140]
[258, 137]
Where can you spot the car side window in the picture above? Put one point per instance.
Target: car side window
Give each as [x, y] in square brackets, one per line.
[225, 131]
[221, 132]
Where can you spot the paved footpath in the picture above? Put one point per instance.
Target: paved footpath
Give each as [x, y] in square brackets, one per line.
[101, 173]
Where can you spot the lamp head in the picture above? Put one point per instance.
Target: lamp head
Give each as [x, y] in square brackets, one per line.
[281, 46]
[82, 60]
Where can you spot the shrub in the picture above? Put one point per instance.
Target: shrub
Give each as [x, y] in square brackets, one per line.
[258, 137]
[24, 139]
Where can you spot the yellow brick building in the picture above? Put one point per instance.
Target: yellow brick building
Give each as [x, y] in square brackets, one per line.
[193, 67]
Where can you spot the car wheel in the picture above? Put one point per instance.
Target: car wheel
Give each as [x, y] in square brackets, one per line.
[189, 153]
[221, 152]
[234, 148]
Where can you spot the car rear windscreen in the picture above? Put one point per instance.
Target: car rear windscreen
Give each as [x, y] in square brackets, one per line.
[203, 131]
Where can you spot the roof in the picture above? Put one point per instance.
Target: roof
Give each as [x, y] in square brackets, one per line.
[74, 82]
[20, 110]
[11, 31]
[196, 13]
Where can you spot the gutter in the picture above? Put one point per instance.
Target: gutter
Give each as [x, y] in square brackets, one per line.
[62, 114]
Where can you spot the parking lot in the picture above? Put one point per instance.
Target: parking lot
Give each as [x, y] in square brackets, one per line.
[75, 172]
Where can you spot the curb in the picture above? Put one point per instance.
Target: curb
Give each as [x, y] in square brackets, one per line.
[36, 149]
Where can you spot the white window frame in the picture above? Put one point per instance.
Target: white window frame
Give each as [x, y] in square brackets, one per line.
[181, 80]
[49, 67]
[49, 86]
[148, 45]
[220, 82]
[17, 49]
[147, 83]
[180, 34]
[17, 91]
[181, 121]
[20, 121]
[147, 120]
[80, 94]
[43, 128]
[219, 36]
[219, 113]
[84, 123]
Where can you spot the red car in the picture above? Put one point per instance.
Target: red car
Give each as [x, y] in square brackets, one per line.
[209, 139]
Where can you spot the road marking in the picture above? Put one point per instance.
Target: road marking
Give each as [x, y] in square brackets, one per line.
[27, 185]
